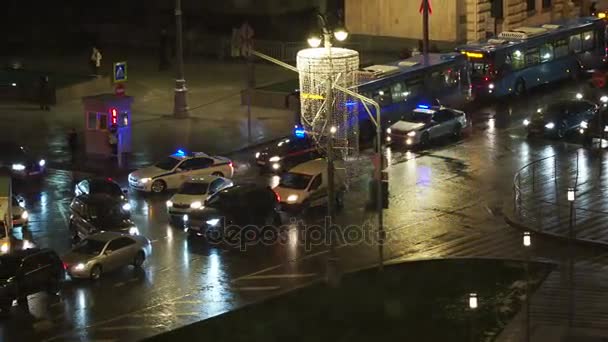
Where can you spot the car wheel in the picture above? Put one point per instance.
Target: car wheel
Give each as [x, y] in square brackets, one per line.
[95, 272]
[158, 186]
[457, 131]
[139, 259]
[218, 174]
[425, 139]
[520, 88]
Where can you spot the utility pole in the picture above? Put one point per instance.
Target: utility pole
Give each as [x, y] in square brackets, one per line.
[180, 105]
[425, 26]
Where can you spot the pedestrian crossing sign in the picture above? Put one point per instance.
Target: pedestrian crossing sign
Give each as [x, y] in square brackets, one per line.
[120, 72]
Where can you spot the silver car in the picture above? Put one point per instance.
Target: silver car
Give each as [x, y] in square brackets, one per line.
[425, 124]
[104, 252]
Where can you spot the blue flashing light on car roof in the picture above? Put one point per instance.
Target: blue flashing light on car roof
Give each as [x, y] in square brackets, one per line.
[350, 104]
[423, 106]
[179, 153]
[299, 132]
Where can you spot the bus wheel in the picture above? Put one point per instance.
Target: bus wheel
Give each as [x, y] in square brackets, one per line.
[520, 88]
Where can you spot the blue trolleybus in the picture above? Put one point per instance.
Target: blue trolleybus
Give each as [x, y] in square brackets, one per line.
[526, 57]
[403, 85]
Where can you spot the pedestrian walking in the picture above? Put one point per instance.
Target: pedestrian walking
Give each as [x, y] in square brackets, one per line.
[73, 143]
[95, 60]
[163, 59]
[113, 140]
[44, 93]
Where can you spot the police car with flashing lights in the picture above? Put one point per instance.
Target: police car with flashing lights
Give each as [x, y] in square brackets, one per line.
[426, 123]
[286, 153]
[173, 171]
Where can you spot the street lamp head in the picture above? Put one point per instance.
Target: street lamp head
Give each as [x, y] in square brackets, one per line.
[314, 41]
[527, 239]
[571, 194]
[472, 300]
[604, 99]
[579, 96]
[340, 34]
[333, 129]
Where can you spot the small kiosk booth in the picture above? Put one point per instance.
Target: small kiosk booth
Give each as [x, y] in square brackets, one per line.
[103, 114]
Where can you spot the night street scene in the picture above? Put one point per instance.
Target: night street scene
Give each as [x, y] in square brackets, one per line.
[304, 170]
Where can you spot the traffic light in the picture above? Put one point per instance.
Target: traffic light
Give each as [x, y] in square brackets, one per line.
[114, 116]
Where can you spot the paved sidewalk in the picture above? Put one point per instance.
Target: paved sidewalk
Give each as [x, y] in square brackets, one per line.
[218, 122]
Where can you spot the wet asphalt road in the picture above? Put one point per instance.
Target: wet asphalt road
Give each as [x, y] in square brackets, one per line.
[446, 201]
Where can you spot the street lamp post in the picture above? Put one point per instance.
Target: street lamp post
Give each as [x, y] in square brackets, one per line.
[180, 105]
[527, 242]
[314, 41]
[571, 198]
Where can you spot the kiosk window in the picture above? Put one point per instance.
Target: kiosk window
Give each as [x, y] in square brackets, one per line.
[91, 120]
[103, 121]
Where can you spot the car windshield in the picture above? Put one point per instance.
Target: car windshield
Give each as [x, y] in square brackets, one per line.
[8, 266]
[102, 187]
[556, 110]
[90, 247]
[296, 181]
[168, 163]
[110, 213]
[420, 117]
[198, 188]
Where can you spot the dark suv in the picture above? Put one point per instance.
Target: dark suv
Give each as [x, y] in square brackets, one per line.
[238, 206]
[92, 214]
[25, 272]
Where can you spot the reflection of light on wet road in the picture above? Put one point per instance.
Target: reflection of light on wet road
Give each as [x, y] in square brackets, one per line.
[186, 254]
[214, 295]
[424, 176]
[389, 156]
[491, 125]
[169, 234]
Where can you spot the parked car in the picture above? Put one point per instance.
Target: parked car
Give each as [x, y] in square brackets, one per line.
[20, 163]
[105, 252]
[240, 205]
[193, 194]
[425, 124]
[91, 214]
[29, 271]
[174, 170]
[560, 118]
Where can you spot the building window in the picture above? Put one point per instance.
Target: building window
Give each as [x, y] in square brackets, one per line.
[546, 4]
[531, 5]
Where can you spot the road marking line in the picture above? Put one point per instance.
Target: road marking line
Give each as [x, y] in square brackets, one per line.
[257, 288]
[257, 272]
[188, 302]
[119, 284]
[165, 314]
[278, 276]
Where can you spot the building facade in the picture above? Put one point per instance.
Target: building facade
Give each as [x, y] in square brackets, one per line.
[455, 21]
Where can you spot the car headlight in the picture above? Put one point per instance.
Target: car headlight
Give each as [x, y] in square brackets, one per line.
[550, 125]
[42, 162]
[257, 155]
[169, 204]
[196, 205]
[79, 267]
[408, 141]
[213, 222]
[185, 218]
[411, 134]
[292, 198]
[526, 122]
[145, 180]
[389, 130]
[491, 86]
[584, 124]
[126, 206]
[276, 166]
[24, 215]
[274, 159]
[133, 231]
[27, 244]
[4, 247]
[18, 167]
[389, 139]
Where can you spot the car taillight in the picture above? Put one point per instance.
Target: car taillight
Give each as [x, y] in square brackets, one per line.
[65, 266]
[230, 164]
[277, 196]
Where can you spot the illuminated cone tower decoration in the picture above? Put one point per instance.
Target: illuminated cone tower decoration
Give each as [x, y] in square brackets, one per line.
[317, 66]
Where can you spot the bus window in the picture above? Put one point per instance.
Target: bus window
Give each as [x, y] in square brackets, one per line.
[382, 96]
[399, 92]
[532, 56]
[560, 48]
[575, 43]
[546, 52]
[479, 69]
[517, 60]
[415, 86]
[588, 41]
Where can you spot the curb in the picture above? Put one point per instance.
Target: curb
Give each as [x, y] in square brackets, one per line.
[585, 242]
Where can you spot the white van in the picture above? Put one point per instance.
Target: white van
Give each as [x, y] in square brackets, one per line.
[305, 185]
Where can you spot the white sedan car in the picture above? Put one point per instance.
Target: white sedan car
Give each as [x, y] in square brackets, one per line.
[193, 194]
[177, 168]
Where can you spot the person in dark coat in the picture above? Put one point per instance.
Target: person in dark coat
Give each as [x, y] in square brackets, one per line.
[44, 93]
